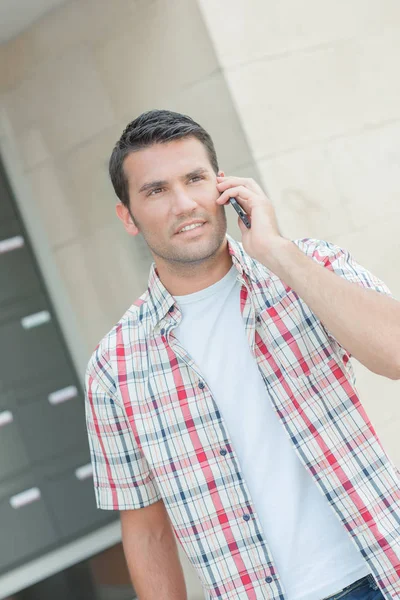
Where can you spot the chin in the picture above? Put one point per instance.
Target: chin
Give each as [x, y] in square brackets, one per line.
[200, 250]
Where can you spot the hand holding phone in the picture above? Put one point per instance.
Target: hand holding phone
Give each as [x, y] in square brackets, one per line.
[243, 216]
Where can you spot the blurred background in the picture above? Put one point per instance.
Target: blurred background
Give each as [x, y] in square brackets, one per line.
[302, 96]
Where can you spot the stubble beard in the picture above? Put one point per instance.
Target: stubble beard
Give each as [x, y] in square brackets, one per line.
[187, 256]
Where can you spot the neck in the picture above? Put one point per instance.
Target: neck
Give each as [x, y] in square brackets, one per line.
[181, 279]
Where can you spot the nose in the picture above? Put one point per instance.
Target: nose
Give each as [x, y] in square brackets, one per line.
[182, 202]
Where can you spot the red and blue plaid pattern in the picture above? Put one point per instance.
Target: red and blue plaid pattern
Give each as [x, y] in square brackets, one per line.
[155, 431]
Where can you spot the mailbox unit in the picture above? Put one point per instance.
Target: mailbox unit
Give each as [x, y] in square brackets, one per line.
[46, 487]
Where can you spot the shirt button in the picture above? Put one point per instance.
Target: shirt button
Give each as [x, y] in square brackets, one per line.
[223, 452]
[258, 319]
[171, 309]
[201, 385]
[268, 579]
[246, 517]
[162, 331]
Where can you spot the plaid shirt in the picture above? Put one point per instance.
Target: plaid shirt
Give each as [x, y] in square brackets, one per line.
[155, 430]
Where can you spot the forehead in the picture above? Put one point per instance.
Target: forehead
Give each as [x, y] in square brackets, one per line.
[165, 161]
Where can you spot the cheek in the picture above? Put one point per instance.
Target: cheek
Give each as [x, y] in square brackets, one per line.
[208, 201]
[153, 223]
[157, 213]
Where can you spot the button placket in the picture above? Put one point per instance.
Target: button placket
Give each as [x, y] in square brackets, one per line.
[223, 451]
[169, 322]
[249, 317]
[224, 465]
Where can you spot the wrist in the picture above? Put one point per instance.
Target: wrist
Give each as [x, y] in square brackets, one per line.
[275, 255]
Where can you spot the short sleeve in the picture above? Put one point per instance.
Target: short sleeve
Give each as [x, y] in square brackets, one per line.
[121, 475]
[340, 261]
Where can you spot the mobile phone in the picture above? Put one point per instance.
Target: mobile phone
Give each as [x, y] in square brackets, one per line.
[243, 216]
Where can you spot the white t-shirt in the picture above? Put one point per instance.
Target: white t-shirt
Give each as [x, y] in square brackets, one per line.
[311, 550]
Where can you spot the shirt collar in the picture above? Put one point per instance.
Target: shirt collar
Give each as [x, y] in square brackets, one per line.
[242, 261]
[160, 301]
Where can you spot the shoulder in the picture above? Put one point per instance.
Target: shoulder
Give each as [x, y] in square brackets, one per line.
[323, 252]
[320, 250]
[128, 329]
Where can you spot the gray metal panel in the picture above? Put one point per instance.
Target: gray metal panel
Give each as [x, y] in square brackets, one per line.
[7, 210]
[52, 429]
[21, 307]
[29, 353]
[47, 564]
[18, 274]
[25, 530]
[35, 363]
[13, 456]
[65, 510]
[60, 464]
[39, 387]
[73, 504]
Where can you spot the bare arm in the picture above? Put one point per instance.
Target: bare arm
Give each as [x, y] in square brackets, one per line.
[151, 553]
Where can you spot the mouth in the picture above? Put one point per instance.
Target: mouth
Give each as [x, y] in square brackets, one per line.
[193, 229]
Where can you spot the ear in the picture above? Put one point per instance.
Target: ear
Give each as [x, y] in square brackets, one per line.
[124, 215]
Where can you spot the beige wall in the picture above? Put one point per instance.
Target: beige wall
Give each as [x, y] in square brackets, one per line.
[302, 96]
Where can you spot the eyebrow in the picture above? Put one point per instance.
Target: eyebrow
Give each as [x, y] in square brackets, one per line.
[160, 182]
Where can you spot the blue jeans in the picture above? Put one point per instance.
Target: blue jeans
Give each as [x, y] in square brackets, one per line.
[362, 589]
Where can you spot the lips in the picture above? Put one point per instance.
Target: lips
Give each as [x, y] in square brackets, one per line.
[179, 230]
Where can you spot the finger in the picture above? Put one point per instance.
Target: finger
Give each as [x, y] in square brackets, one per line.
[243, 195]
[229, 181]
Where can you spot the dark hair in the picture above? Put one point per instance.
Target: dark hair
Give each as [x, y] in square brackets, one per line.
[154, 127]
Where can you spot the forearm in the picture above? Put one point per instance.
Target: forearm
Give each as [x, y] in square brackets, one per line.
[154, 566]
[363, 321]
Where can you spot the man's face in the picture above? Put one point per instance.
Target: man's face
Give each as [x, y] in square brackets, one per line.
[172, 185]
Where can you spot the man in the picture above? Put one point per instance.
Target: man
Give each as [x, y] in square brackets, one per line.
[221, 407]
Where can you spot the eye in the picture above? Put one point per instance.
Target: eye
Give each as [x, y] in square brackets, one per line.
[151, 193]
[196, 177]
